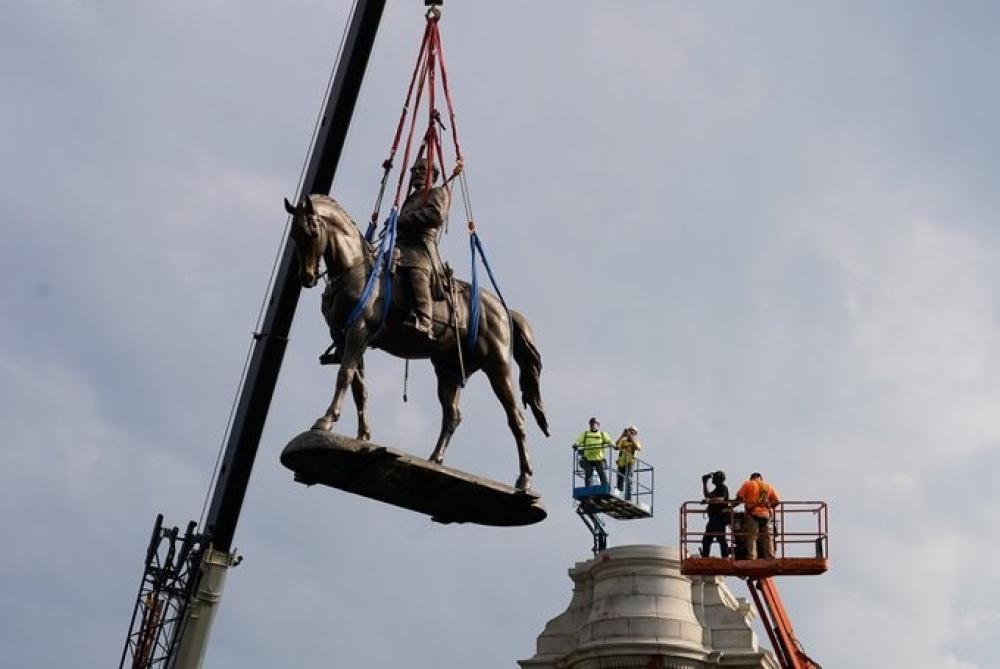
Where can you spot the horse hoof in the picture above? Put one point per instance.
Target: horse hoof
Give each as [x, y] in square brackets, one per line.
[523, 482]
[364, 435]
[324, 424]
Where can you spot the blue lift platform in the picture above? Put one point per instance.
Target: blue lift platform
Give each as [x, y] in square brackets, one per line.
[619, 496]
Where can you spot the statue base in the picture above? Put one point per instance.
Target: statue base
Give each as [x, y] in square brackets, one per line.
[446, 495]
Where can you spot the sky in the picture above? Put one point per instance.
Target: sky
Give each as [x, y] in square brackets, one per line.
[765, 233]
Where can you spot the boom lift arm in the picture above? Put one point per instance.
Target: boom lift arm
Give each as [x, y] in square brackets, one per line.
[778, 625]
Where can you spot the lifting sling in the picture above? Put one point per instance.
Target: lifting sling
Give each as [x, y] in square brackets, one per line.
[429, 67]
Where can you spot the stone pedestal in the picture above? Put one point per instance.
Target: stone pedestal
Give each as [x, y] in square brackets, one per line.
[633, 609]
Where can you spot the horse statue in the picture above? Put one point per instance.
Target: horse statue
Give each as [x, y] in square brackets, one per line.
[322, 229]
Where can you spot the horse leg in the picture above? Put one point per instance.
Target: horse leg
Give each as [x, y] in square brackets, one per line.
[499, 375]
[354, 348]
[451, 416]
[360, 392]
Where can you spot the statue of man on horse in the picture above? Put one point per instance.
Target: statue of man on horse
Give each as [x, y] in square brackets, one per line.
[322, 230]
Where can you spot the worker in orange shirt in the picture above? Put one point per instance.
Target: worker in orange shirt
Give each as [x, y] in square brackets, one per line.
[760, 498]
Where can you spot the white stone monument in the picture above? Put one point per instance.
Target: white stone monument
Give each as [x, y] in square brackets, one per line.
[633, 609]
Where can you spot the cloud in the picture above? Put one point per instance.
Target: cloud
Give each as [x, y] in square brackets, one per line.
[765, 236]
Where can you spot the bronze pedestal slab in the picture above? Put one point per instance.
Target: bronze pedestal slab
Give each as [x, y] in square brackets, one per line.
[446, 495]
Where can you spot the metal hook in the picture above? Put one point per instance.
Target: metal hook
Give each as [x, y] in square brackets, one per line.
[436, 116]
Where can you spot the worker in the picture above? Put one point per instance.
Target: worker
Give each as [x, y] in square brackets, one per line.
[718, 513]
[760, 498]
[628, 445]
[593, 445]
[420, 219]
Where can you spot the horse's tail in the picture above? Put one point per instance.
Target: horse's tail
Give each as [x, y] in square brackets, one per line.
[529, 360]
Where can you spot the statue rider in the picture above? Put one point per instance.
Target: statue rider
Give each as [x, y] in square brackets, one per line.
[420, 220]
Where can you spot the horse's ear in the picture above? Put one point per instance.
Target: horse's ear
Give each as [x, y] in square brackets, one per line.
[307, 203]
[289, 208]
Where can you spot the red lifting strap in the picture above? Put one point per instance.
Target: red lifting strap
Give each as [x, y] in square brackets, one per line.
[430, 61]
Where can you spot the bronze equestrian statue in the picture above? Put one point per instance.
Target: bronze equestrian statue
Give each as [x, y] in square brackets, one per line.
[321, 228]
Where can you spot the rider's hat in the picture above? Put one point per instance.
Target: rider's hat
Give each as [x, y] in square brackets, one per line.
[421, 163]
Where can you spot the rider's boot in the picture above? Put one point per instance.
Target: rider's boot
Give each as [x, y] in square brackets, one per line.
[331, 356]
[423, 325]
[423, 303]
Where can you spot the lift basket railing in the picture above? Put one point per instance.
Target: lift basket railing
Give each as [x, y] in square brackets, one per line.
[635, 486]
[799, 529]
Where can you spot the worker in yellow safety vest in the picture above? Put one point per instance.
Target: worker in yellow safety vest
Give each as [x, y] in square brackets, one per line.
[760, 498]
[592, 445]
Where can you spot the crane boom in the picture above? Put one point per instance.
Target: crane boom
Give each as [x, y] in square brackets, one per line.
[269, 343]
[210, 563]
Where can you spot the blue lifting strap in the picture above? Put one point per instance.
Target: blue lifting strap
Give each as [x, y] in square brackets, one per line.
[474, 298]
[383, 260]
